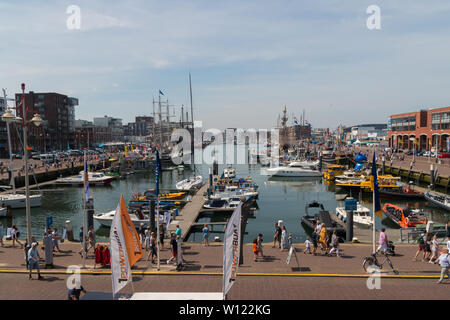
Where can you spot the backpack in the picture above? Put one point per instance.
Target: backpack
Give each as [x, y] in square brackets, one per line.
[420, 240]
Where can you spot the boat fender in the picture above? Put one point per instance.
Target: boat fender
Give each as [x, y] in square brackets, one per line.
[407, 221]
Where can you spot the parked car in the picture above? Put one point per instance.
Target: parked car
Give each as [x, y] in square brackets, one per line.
[444, 155]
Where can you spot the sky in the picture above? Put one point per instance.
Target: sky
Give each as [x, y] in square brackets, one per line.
[248, 58]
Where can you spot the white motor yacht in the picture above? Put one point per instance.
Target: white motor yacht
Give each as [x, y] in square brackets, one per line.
[361, 215]
[295, 169]
[95, 178]
[17, 201]
[190, 183]
[221, 204]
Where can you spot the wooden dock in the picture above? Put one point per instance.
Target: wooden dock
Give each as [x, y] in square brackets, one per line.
[189, 214]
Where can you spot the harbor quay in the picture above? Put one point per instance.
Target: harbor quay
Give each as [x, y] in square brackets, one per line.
[314, 277]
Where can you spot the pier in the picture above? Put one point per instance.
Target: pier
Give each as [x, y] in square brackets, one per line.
[189, 214]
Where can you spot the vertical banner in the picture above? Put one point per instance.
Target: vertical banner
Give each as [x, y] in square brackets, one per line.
[231, 249]
[120, 266]
[448, 144]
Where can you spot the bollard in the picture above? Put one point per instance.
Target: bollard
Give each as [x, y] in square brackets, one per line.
[432, 177]
[349, 222]
[383, 164]
[69, 230]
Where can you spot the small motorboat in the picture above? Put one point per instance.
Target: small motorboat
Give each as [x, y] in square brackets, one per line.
[402, 191]
[213, 204]
[323, 216]
[190, 183]
[296, 169]
[151, 195]
[361, 216]
[17, 201]
[438, 200]
[405, 217]
[137, 217]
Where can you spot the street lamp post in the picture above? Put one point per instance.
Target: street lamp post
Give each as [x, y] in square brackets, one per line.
[7, 117]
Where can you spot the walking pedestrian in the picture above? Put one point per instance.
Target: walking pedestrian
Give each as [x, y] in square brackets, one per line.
[153, 254]
[205, 232]
[334, 244]
[323, 237]
[161, 235]
[434, 249]
[444, 262]
[421, 240]
[382, 241]
[33, 260]
[1, 234]
[55, 238]
[147, 238]
[174, 245]
[141, 232]
[81, 235]
[277, 236]
[178, 231]
[314, 238]
[260, 245]
[92, 239]
[284, 238]
[15, 234]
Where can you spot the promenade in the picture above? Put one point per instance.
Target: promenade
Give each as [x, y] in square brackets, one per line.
[317, 277]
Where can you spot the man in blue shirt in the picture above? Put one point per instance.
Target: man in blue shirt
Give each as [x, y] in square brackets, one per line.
[178, 231]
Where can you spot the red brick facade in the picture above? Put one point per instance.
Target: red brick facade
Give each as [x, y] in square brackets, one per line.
[428, 127]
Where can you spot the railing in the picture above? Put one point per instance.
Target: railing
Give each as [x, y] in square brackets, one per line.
[413, 233]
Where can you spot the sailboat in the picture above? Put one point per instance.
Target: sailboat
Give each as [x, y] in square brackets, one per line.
[195, 181]
[15, 200]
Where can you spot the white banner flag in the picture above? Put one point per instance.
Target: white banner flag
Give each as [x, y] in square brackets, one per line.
[231, 249]
[120, 265]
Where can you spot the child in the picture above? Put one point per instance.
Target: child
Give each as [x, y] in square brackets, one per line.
[307, 246]
[444, 261]
[260, 245]
[255, 249]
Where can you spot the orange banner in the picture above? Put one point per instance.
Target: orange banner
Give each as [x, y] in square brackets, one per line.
[132, 242]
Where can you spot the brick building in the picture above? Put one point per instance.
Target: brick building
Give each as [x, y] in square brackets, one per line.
[427, 128]
[57, 131]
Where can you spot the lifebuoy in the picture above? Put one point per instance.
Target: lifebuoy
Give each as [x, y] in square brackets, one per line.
[407, 221]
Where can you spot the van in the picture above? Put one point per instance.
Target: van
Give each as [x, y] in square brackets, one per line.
[50, 158]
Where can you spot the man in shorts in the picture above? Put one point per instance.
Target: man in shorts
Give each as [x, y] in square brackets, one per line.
[277, 236]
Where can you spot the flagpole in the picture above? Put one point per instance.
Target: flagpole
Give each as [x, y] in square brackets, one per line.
[84, 211]
[157, 230]
[373, 227]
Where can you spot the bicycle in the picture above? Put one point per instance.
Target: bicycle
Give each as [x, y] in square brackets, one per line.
[371, 261]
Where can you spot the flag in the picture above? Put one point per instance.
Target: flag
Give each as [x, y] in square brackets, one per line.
[157, 168]
[307, 123]
[68, 147]
[131, 148]
[125, 151]
[86, 180]
[376, 194]
[295, 121]
[231, 249]
[161, 93]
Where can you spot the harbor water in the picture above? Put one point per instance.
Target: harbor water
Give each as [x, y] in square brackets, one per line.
[279, 199]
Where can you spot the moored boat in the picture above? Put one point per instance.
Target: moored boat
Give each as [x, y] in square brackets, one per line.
[95, 178]
[323, 216]
[404, 217]
[361, 216]
[438, 200]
